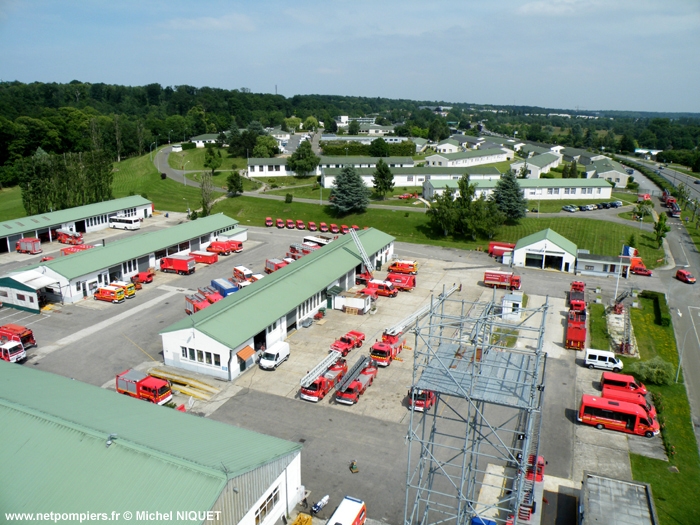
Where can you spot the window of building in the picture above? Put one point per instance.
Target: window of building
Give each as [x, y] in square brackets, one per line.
[267, 506]
[191, 351]
[597, 191]
[217, 360]
[556, 191]
[277, 168]
[566, 191]
[183, 352]
[207, 358]
[31, 298]
[588, 267]
[77, 286]
[20, 297]
[550, 191]
[573, 191]
[3, 293]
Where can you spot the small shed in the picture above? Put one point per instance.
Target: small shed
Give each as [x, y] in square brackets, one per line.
[352, 302]
[604, 265]
[545, 250]
[512, 306]
[610, 500]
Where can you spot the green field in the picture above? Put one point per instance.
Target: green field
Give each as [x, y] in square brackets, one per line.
[675, 494]
[11, 204]
[307, 191]
[194, 160]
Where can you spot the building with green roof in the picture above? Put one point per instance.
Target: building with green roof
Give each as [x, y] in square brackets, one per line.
[277, 167]
[610, 170]
[533, 189]
[537, 165]
[70, 447]
[79, 275]
[85, 219]
[472, 157]
[417, 175]
[545, 249]
[222, 340]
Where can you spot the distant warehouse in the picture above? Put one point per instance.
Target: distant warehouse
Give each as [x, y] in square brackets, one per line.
[85, 219]
[222, 340]
[75, 277]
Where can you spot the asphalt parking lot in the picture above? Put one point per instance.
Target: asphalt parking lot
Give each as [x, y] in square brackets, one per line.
[92, 341]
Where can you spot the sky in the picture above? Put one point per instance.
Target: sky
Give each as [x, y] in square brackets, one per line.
[637, 55]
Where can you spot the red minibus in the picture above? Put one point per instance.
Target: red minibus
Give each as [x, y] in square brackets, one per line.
[616, 415]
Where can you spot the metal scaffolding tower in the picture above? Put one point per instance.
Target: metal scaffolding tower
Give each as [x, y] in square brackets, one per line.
[470, 454]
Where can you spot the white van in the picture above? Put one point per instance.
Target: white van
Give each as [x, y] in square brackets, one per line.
[275, 355]
[602, 359]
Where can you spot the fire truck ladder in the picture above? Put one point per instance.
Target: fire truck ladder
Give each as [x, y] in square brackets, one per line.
[296, 246]
[418, 314]
[353, 373]
[365, 259]
[320, 368]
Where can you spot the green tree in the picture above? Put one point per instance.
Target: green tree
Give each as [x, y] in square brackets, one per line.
[349, 193]
[523, 172]
[509, 198]
[442, 214]
[609, 141]
[696, 164]
[438, 129]
[493, 219]
[627, 144]
[234, 183]
[565, 172]
[303, 161]
[661, 229]
[632, 241]
[331, 125]
[379, 148]
[212, 159]
[353, 128]
[573, 170]
[383, 180]
[265, 147]
[292, 123]
[311, 124]
[588, 139]
[257, 128]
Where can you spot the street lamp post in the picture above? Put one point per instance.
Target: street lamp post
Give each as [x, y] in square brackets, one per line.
[169, 132]
[184, 173]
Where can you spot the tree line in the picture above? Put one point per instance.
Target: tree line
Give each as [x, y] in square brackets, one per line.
[56, 182]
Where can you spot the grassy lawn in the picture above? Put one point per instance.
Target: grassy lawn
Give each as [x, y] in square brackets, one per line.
[596, 236]
[195, 160]
[138, 176]
[674, 493]
[598, 327]
[308, 192]
[287, 182]
[11, 204]
[631, 216]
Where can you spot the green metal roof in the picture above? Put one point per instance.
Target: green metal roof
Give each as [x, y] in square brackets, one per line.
[605, 166]
[549, 235]
[56, 218]
[114, 253]
[247, 312]
[55, 459]
[539, 161]
[530, 183]
[469, 154]
[364, 160]
[424, 170]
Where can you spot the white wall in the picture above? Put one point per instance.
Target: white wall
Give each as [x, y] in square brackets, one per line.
[198, 341]
[544, 247]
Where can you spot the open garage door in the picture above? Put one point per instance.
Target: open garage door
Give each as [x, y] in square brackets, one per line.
[553, 262]
[143, 263]
[533, 260]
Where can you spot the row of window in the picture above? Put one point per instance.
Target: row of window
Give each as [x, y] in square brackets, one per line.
[20, 297]
[308, 305]
[275, 167]
[129, 266]
[200, 356]
[94, 221]
[267, 506]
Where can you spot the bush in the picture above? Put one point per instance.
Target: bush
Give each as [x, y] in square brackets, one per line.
[288, 198]
[655, 371]
[188, 145]
[194, 215]
[662, 315]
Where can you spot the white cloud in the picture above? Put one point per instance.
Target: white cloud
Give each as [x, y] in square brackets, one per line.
[229, 22]
[557, 7]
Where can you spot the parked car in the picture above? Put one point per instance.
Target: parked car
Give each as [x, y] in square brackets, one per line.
[640, 270]
[355, 227]
[312, 226]
[268, 221]
[334, 228]
[290, 224]
[323, 227]
[569, 208]
[280, 223]
[344, 229]
[696, 181]
[300, 225]
[616, 204]
[583, 207]
[592, 207]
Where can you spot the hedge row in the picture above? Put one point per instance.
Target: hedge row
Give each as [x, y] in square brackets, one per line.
[337, 148]
[188, 145]
[652, 176]
[662, 314]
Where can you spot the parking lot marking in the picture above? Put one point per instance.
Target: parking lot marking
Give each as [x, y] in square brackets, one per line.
[82, 334]
[137, 346]
[43, 317]
[15, 312]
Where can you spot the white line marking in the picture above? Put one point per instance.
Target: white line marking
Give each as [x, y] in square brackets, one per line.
[38, 320]
[82, 334]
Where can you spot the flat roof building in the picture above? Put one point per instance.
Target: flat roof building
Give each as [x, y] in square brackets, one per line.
[615, 502]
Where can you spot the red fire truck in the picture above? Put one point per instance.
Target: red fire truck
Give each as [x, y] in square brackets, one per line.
[384, 353]
[12, 352]
[212, 295]
[30, 245]
[272, 265]
[353, 339]
[404, 267]
[616, 415]
[69, 237]
[15, 332]
[502, 280]
[421, 400]
[143, 386]
[323, 378]
[356, 381]
[402, 282]
[219, 248]
[180, 264]
[195, 302]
